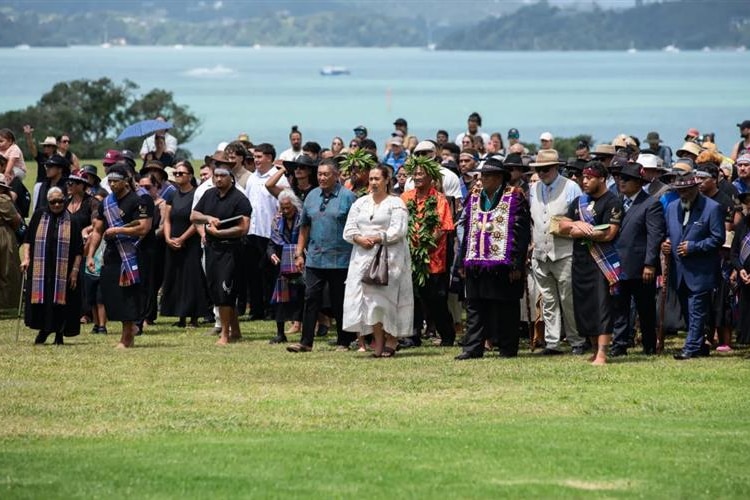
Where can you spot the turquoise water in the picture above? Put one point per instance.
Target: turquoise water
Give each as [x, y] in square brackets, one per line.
[265, 91]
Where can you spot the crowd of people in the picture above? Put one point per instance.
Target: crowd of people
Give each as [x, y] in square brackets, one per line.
[480, 241]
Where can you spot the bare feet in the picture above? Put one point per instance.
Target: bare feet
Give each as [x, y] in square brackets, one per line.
[223, 341]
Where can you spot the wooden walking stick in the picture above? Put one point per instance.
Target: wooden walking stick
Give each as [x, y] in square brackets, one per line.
[20, 305]
[663, 305]
[528, 313]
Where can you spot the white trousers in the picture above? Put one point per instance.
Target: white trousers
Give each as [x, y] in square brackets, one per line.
[554, 279]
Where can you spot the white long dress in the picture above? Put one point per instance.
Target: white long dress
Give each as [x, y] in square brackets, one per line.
[366, 305]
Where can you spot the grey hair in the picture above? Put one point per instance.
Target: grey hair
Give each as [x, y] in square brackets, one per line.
[55, 190]
[288, 194]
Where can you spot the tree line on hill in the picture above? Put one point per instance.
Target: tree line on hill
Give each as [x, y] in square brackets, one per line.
[687, 24]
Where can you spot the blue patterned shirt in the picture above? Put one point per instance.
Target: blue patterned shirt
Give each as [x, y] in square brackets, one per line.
[326, 217]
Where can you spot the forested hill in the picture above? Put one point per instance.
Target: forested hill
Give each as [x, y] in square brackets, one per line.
[451, 25]
[687, 24]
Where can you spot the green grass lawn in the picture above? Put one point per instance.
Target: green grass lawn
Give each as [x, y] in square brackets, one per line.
[180, 417]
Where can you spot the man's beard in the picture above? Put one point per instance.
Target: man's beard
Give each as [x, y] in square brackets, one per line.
[686, 205]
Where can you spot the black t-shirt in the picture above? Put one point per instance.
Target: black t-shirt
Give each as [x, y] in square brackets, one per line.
[727, 205]
[607, 209]
[41, 172]
[132, 207]
[234, 203]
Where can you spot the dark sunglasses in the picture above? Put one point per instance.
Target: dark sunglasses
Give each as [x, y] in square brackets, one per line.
[56, 202]
[180, 174]
[543, 170]
[67, 141]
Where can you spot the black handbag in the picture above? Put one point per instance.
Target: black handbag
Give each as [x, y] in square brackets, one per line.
[377, 271]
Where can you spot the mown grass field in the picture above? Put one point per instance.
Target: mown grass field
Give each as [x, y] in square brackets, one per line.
[178, 417]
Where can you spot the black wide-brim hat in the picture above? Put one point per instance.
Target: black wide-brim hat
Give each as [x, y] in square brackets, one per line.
[303, 161]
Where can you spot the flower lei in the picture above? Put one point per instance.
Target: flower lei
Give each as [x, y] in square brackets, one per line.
[422, 224]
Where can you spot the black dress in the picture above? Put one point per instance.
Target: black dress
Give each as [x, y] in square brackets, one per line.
[593, 305]
[184, 292]
[126, 303]
[48, 316]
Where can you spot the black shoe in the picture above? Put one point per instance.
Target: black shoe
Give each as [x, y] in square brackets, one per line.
[409, 342]
[685, 356]
[616, 352]
[322, 331]
[650, 351]
[278, 339]
[58, 339]
[502, 354]
[462, 341]
[445, 344]
[103, 330]
[551, 352]
[579, 350]
[95, 329]
[179, 324]
[41, 338]
[467, 355]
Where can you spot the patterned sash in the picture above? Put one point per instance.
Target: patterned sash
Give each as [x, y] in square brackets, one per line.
[61, 259]
[745, 249]
[490, 240]
[126, 245]
[167, 189]
[282, 292]
[604, 254]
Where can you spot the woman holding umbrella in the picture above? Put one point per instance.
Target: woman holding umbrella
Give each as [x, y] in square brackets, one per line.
[52, 254]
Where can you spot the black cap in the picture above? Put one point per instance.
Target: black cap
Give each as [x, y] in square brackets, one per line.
[400, 121]
[57, 161]
[582, 144]
[744, 124]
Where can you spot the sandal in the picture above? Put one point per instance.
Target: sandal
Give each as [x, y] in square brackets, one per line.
[388, 352]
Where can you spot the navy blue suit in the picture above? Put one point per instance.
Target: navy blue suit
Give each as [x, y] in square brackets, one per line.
[641, 233]
[697, 273]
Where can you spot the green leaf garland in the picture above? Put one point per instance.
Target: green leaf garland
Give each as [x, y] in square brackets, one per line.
[422, 225]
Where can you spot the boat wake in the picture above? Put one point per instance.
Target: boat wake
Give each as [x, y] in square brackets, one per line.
[217, 71]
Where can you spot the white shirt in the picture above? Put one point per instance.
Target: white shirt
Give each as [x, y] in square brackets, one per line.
[290, 155]
[264, 204]
[451, 184]
[150, 145]
[205, 186]
[460, 137]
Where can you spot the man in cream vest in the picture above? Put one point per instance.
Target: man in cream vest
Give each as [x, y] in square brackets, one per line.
[552, 255]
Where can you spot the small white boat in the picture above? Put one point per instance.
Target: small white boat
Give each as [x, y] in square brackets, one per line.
[670, 48]
[23, 46]
[334, 70]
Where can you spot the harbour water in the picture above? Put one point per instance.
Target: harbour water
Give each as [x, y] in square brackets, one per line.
[263, 91]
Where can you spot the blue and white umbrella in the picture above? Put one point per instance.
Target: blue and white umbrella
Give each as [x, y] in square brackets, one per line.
[142, 128]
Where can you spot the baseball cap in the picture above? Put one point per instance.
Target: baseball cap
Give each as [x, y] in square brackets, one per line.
[513, 133]
[111, 157]
[744, 124]
[400, 121]
[546, 136]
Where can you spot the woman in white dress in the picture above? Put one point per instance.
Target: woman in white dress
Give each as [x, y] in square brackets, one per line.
[387, 311]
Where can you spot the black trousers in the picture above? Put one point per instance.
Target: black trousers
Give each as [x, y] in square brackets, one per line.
[497, 320]
[261, 275]
[434, 297]
[644, 296]
[315, 281]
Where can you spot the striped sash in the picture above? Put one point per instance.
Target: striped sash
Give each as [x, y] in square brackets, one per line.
[126, 245]
[61, 260]
[604, 254]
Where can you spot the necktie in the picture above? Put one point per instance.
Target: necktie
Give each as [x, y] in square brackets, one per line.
[626, 203]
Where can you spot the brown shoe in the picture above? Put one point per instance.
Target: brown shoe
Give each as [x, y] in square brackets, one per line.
[298, 348]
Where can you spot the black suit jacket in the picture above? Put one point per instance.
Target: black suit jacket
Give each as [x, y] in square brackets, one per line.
[642, 230]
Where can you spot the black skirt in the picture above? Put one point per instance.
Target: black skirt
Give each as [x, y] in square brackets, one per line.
[184, 292]
[56, 318]
[593, 305]
[743, 323]
[122, 303]
[223, 272]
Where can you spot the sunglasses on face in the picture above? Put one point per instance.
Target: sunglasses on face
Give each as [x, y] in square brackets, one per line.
[180, 174]
[56, 202]
[543, 170]
[67, 141]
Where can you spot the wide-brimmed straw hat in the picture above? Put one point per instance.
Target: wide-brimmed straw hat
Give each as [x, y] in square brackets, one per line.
[604, 150]
[689, 147]
[49, 141]
[217, 157]
[546, 158]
